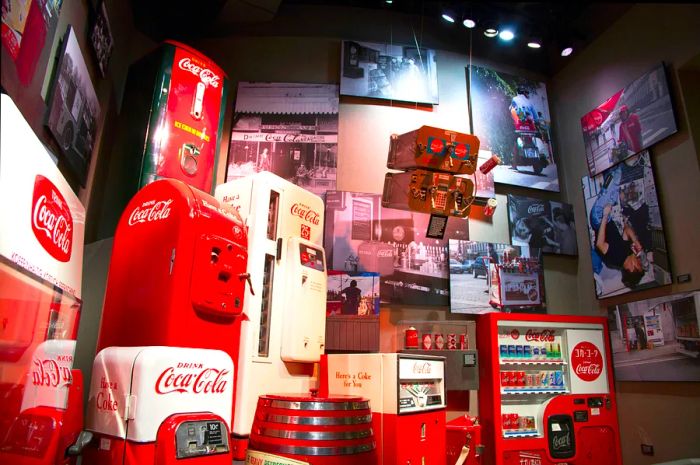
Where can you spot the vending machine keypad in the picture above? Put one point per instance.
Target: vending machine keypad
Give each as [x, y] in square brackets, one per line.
[197, 438]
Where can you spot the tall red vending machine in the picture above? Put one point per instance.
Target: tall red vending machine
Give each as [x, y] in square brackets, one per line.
[41, 255]
[547, 394]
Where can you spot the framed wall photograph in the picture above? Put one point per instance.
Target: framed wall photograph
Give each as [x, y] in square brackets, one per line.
[73, 107]
[628, 245]
[487, 277]
[631, 120]
[387, 71]
[656, 339]
[542, 224]
[290, 129]
[101, 38]
[511, 119]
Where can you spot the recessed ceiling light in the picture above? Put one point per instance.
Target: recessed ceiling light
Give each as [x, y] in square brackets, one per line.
[448, 17]
[567, 51]
[534, 44]
[389, 1]
[506, 35]
[469, 23]
[491, 32]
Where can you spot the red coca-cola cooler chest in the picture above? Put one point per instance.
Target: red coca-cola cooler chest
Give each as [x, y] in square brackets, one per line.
[178, 272]
[160, 406]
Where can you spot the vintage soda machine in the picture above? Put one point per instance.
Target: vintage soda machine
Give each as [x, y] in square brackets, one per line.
[283, 328]
[171, 125]
[178, 267]
[547, 394]
[41, 253]
[160, 405]
[406, 393]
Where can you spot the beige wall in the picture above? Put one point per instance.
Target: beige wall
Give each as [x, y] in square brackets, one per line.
[663, 414]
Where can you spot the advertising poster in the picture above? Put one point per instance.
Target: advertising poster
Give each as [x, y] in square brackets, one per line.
[656, 339]
[362, 236]
[487, 277]
[542, 224]
[628, 245]
[511, 119]
[631, 120]
[288, 129]
[390, 72]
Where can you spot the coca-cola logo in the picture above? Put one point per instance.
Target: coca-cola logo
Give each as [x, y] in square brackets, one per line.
[546, 335]
[49, 373]
[52, 221]
[306, 213]
[385, 253]
[150, 211]
[305, 232]
[587, 361]
[201, 381]
[422, 368]
[560, 442]
[207, 76]
[535, 208]
[514, 333]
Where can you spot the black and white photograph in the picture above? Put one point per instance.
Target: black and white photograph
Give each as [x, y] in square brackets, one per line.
[362, 236]
[73, 109]
[542, 224]
[487, 277]
[631, 120]
[511, 119]
[388, 71]
[101, 38]
[628, 245]
[288, 129]
[656, 339]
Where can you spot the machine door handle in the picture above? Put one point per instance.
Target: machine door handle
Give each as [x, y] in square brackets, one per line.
[246, 276]
[84, 438]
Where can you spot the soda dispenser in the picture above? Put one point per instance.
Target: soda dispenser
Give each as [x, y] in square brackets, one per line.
[547, 394]
[41, 253]
[283, 329]
[177, 273]
[407, 397]
[159, 405]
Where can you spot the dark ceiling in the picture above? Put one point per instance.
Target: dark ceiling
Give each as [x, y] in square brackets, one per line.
[555, 23]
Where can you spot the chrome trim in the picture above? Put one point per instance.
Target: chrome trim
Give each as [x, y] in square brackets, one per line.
[295, 405]
[315, 435]
[318, 421]
[300, 450]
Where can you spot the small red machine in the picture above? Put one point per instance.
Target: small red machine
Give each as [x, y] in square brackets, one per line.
[547, 395]
[178, 269]
[41, 253]
[160, 405]
[464, 445]
[434, 149]
[407, 398]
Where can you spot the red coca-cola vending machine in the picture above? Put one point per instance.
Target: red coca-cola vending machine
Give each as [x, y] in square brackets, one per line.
[547, 394]
[171, 125]
[41, 254]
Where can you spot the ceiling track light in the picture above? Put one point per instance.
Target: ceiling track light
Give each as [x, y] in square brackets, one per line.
[534, 42]
[490, 31]
[469, 23]
[566, 51]
[506, 35]
[448, 15]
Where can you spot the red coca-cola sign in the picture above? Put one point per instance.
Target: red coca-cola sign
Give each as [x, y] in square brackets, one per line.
[306, 213]
[197, 381]
[587, 361]
[546, 335]
[52, 221]
[206, 75]
[49, 373]
[151, 210]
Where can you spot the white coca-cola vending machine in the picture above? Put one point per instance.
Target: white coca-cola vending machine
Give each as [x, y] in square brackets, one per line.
[41, 253]
[283, 329]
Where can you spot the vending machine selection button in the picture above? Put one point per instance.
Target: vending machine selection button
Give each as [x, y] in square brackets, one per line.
[581, 415]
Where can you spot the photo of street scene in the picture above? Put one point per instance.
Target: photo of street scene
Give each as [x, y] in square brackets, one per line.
[656, 339]
[630, 121]
[628, 245]
[511, 119]
[387, 71]
[288, 129]
[362, 236]
[487, 277]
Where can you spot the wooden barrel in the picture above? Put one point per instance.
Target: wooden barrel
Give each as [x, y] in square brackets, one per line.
[318, 430]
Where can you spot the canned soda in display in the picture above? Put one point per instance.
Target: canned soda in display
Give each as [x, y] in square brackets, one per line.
[505, 378]
[511, 351]
[490, 207]
[557, 350]
[528, 380]
[521, 378]
[452, 341]
[548, 350]
[536, 352]
[527, 351]
[505, 421]
[514, 420]
[427, 342]
[463, 343]
[513, 378]
[558, 378]
[519, 351]
[531, 423]
[544, 379]
[522, 422]
[439, 341]
[411, 338]
[552, 379]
